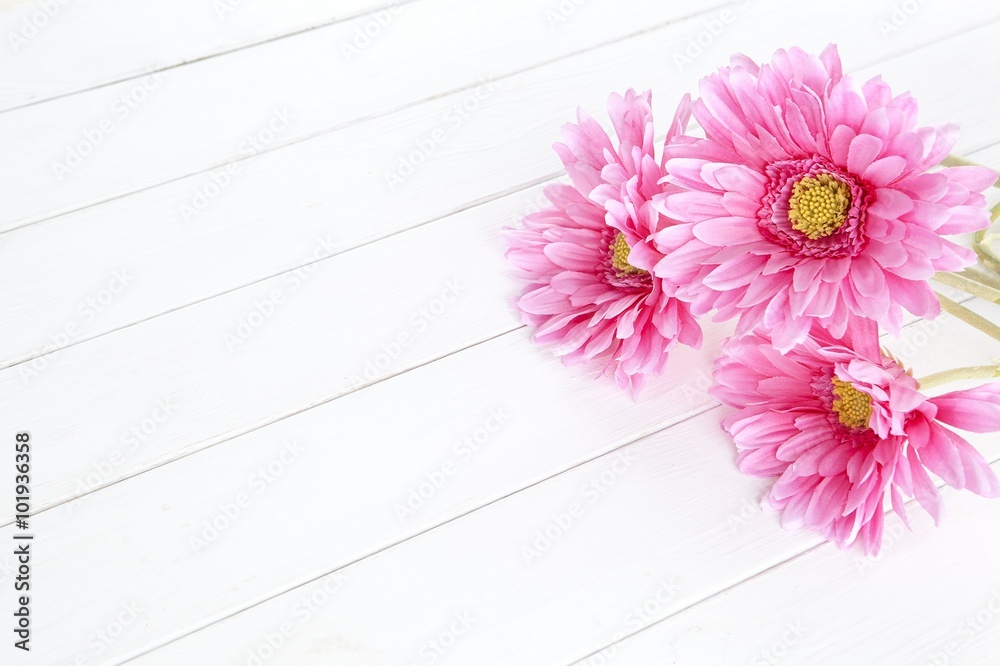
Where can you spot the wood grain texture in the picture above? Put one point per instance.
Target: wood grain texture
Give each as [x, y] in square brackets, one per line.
[58, 47]
[345, 203]
[196, 528]
[304, 334]
[825, 607]
[608, 575]
[302, 425]
[160, 127]
[222, 367]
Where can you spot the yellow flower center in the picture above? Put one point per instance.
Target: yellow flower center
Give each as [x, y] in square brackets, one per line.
[853, 407]
[619, 257]
[818, 206]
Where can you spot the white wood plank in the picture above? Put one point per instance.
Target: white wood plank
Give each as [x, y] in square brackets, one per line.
[932, 597]
[271, 214]
[324, 510]
[369, 449]
[653, 543]
[622, 566]
[152, 129]
[58, 47]
[313, 332]
[184, 354]
[251, 356]
[334, 502]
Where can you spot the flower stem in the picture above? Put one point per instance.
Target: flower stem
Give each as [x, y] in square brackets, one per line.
[978, 274]
[969, 286]
[969, 317]
[959, 374]
[981, 243]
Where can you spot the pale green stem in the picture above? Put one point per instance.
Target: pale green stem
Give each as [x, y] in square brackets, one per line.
[981, 246]
[960, 374]
[978, 274]
[969, 317]
[969, 286]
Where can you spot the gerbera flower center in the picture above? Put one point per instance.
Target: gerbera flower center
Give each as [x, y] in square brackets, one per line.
[853, 407]
[819, 205]
[619, 257]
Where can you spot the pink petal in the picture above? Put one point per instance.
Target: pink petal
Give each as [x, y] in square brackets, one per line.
[864, 150]
[572, 257]
[890, 203]
[958, 463]
[725, 231]
[888, 255]
[975, 410]
[924, 490]
[884, 171]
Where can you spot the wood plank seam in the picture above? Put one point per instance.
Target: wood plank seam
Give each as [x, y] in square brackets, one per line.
[294, 412]
[820, 543]
[698, 411]
[190, 61]
[398, 109]
[482, 201]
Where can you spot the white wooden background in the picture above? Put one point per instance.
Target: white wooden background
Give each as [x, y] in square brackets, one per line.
[201, 254]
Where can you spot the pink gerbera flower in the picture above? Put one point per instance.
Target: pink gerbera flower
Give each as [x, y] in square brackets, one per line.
[842, 425]
[588, 257]
[810, 199]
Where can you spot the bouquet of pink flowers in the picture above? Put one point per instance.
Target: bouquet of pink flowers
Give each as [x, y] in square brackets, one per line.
[812, 210]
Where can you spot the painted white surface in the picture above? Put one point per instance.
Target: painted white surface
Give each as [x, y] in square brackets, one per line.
[308, 231]
[186, 120]
[58, 47]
